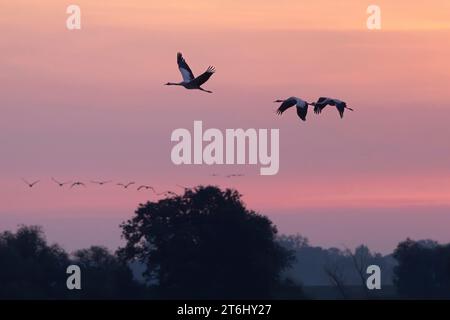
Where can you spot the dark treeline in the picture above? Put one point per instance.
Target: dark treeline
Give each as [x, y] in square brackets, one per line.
[30, 268]
[206, 244]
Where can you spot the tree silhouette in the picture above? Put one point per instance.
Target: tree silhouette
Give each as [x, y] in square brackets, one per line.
[32, 269]
[423, 269]
[335, 271]
[361, 260]
[29, 267]
[206, 244]
[104, 276]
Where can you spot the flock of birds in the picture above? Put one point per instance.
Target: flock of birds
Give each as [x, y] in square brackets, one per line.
[302, 106]
[192, 82]
[124, 185]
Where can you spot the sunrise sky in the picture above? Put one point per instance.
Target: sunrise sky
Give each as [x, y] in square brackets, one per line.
[90, 104]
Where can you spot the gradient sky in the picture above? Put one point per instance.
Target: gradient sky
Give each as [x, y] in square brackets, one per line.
[90, 104]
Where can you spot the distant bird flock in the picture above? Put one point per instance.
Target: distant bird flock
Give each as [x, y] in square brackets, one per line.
[75, 184]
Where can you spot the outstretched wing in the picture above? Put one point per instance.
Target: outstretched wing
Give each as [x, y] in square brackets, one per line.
[321, 104]
[286, 105]
[186, 72]
[302, 111]
[201, 79]
[341, 107]
[322, 99]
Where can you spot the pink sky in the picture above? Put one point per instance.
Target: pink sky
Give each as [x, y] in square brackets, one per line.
[90, 104]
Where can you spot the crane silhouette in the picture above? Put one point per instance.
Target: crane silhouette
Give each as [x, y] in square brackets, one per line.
[146, 187]
[185, 188]
[77, 184]
[235, 175]
[167, 193]
[322, 102]
[30, 184]
[61, 184]
[101, 182]
[302, 106]
[125, 186]
[189, 80]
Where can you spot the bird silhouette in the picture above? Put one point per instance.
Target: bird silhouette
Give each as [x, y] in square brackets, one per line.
[125, 186]
[235, 175]
[302, 106]
[77, 183]
[101, 182]
[146, 188]
[32, 184]
[167, 193]
[324, 101]
[189, 81]
[61, 184]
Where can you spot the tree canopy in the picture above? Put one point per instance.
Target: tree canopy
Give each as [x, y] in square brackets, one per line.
[31, 268]
[206, 244]
[423, 269]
